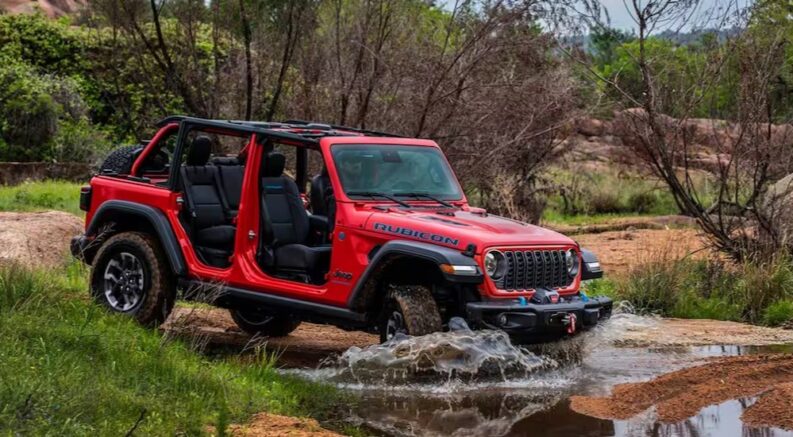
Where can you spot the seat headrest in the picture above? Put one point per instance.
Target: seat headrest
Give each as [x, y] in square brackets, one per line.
[274, 164]
[199, 151]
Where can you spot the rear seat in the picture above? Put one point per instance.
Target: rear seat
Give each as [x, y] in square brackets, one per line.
[231, 175]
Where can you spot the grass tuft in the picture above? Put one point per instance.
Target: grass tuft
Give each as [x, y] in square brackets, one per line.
[711, 289]
[69, 367]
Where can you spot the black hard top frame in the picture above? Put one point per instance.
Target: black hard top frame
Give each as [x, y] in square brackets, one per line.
[304, 132]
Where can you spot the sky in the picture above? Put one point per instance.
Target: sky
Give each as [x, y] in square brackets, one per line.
[621, 18]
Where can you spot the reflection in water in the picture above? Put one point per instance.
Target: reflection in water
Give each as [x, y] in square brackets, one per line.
[466, 383]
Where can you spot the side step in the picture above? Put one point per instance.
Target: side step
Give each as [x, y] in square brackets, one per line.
[227, 296]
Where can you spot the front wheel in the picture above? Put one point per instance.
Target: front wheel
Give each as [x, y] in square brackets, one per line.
[409, 310]
[266, 325]
[130, 275]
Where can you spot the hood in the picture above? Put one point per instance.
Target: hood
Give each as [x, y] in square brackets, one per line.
[460, 228]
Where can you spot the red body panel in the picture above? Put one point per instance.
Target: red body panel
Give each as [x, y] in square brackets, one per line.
[363, 225]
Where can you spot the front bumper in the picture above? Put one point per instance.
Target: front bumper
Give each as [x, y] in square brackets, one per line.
[528, 319]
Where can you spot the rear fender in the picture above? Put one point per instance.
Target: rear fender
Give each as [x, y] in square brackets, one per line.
[115, 216]
[399, 251]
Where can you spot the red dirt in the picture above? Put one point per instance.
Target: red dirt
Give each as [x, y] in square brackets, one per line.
[681, 394]
[271, 425]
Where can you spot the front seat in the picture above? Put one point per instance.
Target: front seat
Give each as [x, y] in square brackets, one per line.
[206, 204]
[288, 223]
[323, 203]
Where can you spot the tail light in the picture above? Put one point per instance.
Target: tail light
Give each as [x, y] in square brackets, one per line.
[85, 198]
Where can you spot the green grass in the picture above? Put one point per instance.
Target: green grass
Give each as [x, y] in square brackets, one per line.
[585, 196]
[707, 289]
[68, 367]
[41, 196]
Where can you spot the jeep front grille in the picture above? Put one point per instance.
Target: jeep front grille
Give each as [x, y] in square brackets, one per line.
[532, 269]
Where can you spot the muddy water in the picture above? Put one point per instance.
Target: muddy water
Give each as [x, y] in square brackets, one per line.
[478, 384]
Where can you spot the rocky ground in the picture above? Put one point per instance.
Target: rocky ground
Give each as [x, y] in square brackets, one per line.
[679, 395]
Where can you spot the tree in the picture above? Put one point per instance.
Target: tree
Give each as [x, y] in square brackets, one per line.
[751, 151]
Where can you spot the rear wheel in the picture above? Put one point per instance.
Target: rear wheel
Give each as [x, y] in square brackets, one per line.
[409, 310]
[130, 275]
[266, 325]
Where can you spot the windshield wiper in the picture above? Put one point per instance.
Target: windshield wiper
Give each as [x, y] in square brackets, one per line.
[376, 194]
[426, 196]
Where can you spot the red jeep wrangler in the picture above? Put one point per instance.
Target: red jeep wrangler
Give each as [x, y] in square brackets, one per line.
[381, 239]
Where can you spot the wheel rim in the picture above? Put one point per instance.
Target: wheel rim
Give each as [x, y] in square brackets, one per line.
[395, 325]
[254, 318]
[123, 282]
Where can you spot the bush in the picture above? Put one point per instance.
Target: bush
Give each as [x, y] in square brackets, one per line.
[28, 113]
[778, 313]
[688, 288]
[642, 202]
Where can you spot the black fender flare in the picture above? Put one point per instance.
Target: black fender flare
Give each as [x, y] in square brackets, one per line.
[404, 249]
[155, 217]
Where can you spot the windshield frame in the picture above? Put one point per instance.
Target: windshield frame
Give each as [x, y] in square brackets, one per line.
[458, 197]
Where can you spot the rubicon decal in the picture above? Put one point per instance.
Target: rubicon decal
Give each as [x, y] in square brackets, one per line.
[398, 230]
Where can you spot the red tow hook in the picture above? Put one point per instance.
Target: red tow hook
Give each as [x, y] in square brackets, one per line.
[570, 321]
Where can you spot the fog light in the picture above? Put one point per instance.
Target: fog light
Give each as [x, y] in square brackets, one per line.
[502, 319]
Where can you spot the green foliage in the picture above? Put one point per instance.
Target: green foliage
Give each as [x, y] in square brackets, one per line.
[41, 196]
[28, 113]
[605, 194]
[604, 42]
[68, 367]
[43, 115]
[778, 313]
[47, 45]
[688, 288]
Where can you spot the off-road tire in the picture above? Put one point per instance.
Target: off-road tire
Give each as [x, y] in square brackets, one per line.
[120, 160]
[158, 291]
[277, 326]
[417, 307]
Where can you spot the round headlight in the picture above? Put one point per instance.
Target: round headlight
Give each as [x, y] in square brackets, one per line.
[494, 264]
[571, 261]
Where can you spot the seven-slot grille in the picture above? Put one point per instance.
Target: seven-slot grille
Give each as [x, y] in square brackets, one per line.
[532, 269]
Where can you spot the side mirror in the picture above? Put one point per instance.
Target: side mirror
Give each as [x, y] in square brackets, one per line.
[590, 266]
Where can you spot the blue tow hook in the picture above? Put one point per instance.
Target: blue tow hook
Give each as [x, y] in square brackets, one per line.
[522, 301]
[584, 297]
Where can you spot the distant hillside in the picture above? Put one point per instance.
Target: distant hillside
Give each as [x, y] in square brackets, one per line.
[51, 8]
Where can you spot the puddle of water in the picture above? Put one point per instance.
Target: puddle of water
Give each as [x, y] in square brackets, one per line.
[466, 383]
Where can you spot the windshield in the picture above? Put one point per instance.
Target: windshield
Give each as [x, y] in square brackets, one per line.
[394, 171]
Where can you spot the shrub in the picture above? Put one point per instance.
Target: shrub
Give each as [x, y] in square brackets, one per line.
[688, 288]
[28, 113]
[778, 313]
[641, 202]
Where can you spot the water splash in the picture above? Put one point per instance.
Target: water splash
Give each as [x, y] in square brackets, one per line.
[457, 355]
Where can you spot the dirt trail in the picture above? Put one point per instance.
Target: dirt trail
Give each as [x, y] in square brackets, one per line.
[618, 251]
[679, 395]
[698, 332]
[38, 239]
[306, 347]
